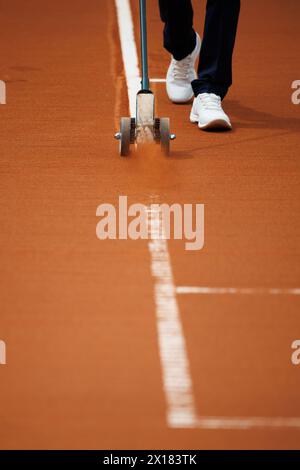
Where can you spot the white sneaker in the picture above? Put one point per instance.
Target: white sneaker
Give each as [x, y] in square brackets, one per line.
[208, 113]
[180, 75]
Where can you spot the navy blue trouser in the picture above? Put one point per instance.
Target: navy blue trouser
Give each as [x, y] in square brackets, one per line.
[215, 64]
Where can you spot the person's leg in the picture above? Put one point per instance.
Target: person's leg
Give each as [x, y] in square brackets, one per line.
[179, 35]
[183, 43]
[215, 65]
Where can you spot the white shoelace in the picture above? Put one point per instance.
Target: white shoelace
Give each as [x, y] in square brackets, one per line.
[182, 68]
[210, 101]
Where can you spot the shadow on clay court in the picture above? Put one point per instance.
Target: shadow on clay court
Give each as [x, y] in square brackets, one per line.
[244, 117]
[254, 119]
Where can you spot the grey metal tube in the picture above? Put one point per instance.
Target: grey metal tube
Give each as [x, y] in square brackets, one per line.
[144, 48]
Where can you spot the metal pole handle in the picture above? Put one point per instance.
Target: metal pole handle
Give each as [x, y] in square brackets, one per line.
[144, 48]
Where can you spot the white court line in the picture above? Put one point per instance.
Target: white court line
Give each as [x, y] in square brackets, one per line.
[236, 290]
[129, 52]
[158, 80]
[174, 362]
[177, 379]
[244, 423]
[172, 348]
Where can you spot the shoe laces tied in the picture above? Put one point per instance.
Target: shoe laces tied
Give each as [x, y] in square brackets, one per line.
[210, 101]
[182, 68]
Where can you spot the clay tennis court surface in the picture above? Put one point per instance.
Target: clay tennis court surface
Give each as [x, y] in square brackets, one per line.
[79, 315]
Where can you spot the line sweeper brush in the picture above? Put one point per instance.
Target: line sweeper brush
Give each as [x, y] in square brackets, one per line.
[145, 127]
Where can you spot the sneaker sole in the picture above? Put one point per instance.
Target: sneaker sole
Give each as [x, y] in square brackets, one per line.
[216, 124]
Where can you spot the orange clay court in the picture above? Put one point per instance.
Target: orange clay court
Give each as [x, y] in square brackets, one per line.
[86, 364]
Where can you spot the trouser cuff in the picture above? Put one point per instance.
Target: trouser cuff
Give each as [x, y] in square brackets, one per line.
[200, 87]
[180, 51]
